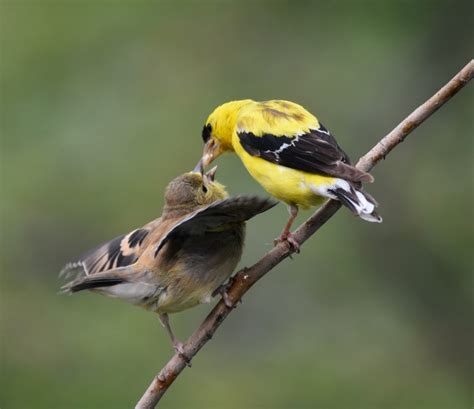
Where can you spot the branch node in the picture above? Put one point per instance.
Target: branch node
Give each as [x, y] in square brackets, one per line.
[161, 378]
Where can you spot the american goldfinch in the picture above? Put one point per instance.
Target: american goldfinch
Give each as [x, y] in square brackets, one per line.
[290, 153]
[177, 261]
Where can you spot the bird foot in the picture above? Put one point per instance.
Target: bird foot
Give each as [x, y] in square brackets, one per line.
[289, 238]
[222, 290]
[179, 348]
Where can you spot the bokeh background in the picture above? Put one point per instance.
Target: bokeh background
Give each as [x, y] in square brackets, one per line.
[103, 104]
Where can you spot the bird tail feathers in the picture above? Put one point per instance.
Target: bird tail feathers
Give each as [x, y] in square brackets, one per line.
[127, 283]
[99, 280]
[356, 200]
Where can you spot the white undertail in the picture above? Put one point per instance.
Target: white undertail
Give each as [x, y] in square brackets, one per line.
[353, 197]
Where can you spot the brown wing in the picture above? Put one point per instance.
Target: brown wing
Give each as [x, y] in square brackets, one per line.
[118, 252]
[236, 209]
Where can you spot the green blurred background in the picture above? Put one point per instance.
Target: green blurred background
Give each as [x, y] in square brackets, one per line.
[103, 104]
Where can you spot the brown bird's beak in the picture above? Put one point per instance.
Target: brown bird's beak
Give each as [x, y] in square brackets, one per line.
[211, 175]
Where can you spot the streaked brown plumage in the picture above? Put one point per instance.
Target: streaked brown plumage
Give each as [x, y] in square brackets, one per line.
[179, 260]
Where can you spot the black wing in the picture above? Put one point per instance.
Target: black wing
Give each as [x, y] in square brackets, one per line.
[218, 214]
[315, 152]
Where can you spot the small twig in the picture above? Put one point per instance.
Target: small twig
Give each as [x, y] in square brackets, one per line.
[247, 277]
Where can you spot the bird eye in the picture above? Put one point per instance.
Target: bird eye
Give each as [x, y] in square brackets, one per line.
[206, 132]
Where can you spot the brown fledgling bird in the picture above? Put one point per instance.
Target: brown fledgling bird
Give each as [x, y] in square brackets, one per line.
[179, 260]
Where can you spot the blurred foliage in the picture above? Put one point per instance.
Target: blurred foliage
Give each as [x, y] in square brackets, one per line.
[102, 105]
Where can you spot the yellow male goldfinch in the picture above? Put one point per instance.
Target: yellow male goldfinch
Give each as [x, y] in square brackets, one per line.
[290, 153]
[179, 260]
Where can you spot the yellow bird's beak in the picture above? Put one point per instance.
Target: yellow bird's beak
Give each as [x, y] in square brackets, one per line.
[199, 167]
[211, 151]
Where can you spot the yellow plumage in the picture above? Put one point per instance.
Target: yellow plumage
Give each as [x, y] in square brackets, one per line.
[289, 152]
[286, 184]
[280, 118]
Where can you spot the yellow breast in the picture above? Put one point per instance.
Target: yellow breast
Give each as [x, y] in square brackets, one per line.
[286, 184]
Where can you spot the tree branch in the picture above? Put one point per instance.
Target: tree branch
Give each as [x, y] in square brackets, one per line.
[247, 277]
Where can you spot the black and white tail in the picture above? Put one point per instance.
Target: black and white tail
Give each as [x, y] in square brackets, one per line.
[355, 199]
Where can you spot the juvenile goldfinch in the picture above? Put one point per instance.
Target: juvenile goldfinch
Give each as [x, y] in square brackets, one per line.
[177, 261]
[290, 153]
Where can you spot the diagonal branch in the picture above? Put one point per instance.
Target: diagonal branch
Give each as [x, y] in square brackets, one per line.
[247, 277]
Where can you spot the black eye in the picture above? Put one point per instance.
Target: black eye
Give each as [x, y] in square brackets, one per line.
[206, 132]
[204, 188]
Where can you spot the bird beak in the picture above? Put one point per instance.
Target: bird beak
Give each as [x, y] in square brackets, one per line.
[206, 159]
[211, 175]
[199, 167]
[211, 151]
